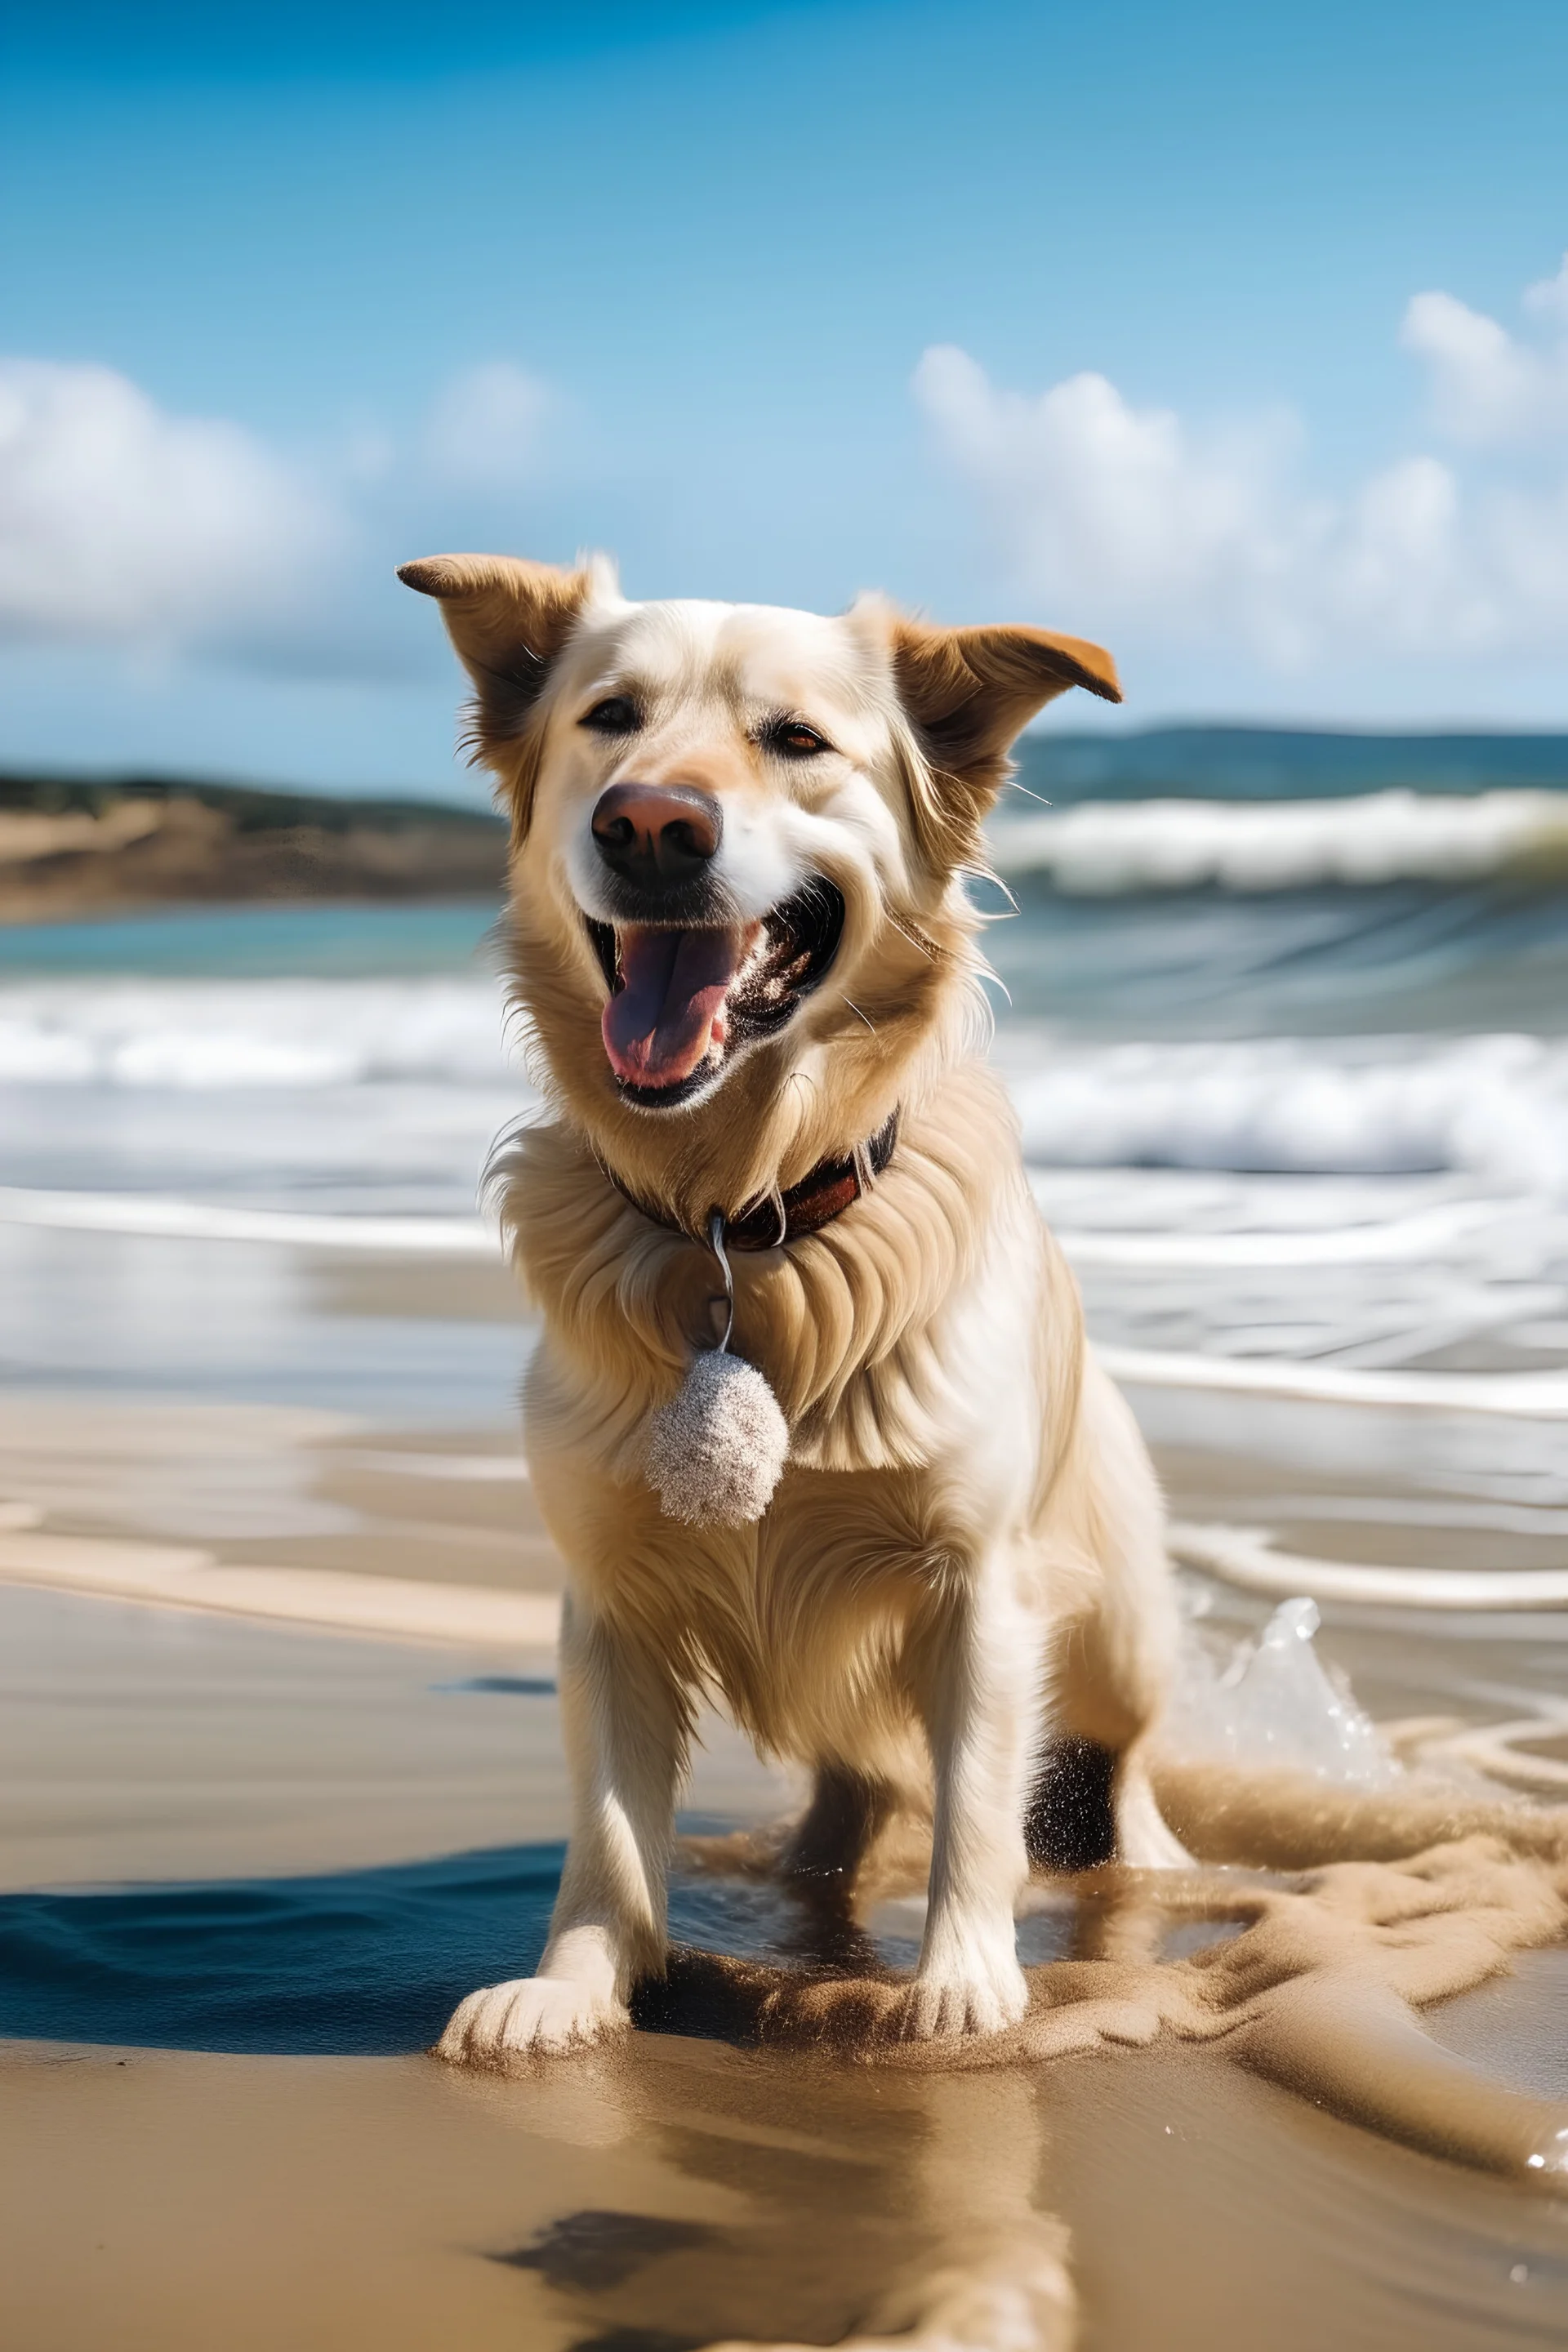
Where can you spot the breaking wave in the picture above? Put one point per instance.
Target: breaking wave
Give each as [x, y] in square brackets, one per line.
[1492, 1107]
[1110, 849]
[197, 1036]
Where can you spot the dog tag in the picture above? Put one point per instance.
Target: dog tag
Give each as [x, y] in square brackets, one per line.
[717, 1451]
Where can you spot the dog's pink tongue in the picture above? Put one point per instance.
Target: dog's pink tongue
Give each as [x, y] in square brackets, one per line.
[659, 1025]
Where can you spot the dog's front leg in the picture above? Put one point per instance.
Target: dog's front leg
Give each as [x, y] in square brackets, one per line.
[981, 1698]
[626, 1734]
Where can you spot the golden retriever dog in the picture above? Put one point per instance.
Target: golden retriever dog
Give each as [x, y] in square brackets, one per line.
[741, 936]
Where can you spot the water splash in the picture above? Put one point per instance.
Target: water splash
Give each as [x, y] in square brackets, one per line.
[1273, 1702]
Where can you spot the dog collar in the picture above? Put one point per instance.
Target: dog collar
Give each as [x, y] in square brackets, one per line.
[830, 1188]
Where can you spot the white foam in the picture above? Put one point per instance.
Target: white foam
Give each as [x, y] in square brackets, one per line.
[157, 1216]
[1530, 1396]
[202, 1036]
[1489, 1107]
[1246, 1557]
[1493, 1107]
[1107, 848]
[1387, 1241]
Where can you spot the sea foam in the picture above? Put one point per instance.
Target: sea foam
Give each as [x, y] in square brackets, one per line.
[198, 1035]
[1489, 1107]
[1492, 1107]
[1107, 849]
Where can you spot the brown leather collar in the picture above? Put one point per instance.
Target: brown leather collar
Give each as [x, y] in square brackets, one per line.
[831, 1187]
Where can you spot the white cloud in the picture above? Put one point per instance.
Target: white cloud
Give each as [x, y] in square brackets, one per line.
[1105, 514]
[1488, 385]
[485, 431]
[120, 523]
[1548, 297]
[1120, 502]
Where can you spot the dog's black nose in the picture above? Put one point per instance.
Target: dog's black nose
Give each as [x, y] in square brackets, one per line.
[657, 836]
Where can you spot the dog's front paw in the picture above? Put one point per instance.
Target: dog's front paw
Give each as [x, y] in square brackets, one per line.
[530, 2013]
[984, 1998]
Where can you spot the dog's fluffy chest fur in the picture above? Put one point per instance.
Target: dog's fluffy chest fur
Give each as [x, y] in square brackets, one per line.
[871, 1332]
[910, 1344]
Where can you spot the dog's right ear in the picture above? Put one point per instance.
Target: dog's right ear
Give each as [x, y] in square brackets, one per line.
[508, 620]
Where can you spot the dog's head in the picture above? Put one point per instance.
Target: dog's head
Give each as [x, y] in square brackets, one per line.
[739, 832]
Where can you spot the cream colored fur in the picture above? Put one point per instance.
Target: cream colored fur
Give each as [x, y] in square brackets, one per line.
[964, 1558]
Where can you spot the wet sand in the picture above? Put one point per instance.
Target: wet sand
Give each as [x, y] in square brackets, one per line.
[688, 2189]
[686, 2193]
[143, 1744]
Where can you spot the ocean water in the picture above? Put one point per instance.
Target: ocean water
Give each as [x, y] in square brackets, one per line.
[1292, 1077]
[366, 1962]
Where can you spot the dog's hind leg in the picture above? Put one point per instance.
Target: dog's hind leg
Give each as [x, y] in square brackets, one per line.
[1116, 1663]
[820, 1865]
[835, 1833]
[1071, 1821]
[1144, 1839]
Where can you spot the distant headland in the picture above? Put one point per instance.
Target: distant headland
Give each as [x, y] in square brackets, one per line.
[72, 845]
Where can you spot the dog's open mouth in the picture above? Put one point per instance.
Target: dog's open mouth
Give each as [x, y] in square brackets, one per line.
[684, 1000]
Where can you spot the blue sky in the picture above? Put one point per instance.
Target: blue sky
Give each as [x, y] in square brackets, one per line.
[1207, 332]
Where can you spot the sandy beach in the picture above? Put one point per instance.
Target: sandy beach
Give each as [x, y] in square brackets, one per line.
[263, 2182]
[686, 2193]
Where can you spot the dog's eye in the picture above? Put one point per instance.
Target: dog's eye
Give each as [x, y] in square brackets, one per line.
[617, 715]
[795, 739]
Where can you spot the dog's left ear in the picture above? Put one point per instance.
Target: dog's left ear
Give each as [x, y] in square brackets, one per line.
[970, 692]
[967, 693]
[508, 621]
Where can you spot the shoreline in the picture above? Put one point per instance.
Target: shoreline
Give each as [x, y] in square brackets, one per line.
[1537, 1395]
[388, 1608]
[411, 1609]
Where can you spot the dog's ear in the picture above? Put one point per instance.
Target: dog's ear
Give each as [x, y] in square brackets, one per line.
[508, 621]
[970, 692]
[967, 693]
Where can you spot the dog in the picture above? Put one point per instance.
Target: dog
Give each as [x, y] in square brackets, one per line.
[741, 937]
